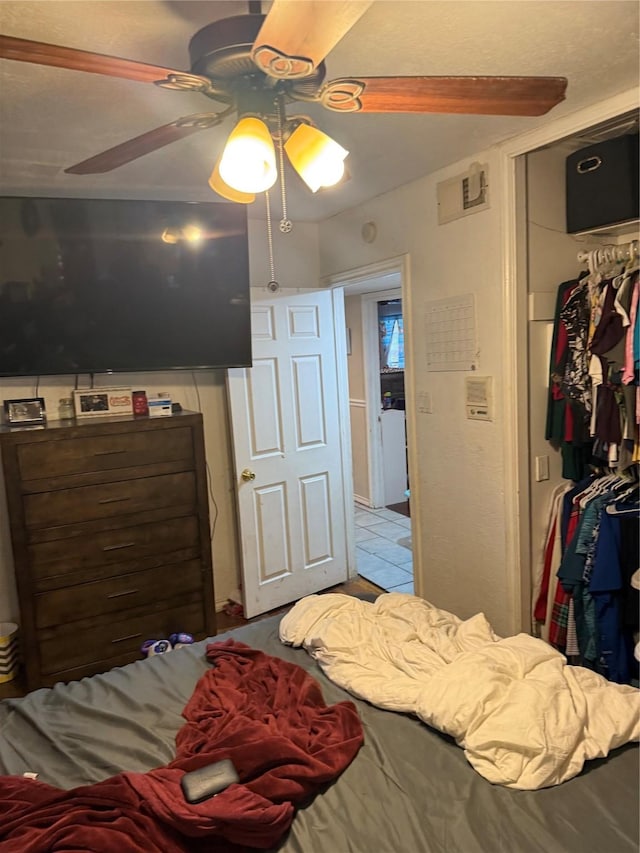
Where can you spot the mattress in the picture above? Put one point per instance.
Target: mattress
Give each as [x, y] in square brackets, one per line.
[409, 789]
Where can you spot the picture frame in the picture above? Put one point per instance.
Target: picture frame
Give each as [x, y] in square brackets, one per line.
[102, 402]
[28, 411]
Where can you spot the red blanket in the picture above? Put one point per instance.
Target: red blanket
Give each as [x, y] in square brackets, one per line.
[268, 716]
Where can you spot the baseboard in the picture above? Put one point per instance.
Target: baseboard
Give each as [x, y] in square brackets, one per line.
[365, 503]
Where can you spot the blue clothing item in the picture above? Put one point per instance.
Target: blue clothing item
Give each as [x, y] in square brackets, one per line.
[567, 502]
[570, 574]
[591, 553]
[607, 575]
[586, 619]
[573, 560]
[571, 566]
[605, 586]
[589, 520]
[613, 662]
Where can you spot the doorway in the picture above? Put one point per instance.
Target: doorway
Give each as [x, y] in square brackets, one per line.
[376, 391]
[387, 324]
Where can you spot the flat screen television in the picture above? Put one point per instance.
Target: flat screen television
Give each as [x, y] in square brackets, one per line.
[102, 286]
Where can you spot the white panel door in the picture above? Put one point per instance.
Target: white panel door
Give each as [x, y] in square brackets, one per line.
[286, 432]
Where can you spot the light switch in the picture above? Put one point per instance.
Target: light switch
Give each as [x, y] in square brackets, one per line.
[542, 468]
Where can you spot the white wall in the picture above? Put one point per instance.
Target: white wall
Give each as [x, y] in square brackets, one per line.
[458, 505]
[296, 254]
[296, 259]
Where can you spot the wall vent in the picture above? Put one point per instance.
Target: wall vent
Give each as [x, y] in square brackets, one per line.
[474, 190]
[464, 194]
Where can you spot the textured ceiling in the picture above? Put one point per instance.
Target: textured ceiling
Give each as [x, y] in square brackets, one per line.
[51, 118]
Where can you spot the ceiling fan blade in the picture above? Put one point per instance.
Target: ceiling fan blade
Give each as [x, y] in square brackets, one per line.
[24, 50]
[509, 96]
[295, 37]
[147, 142]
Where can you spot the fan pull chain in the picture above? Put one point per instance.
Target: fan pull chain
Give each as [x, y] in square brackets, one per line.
[285, 223]
[273, 285]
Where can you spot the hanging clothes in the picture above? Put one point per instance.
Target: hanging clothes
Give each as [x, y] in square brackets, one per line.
[593, 406]
[583, 600]
[566, 411]
[558, 613]
[595, 572]
[546, 567]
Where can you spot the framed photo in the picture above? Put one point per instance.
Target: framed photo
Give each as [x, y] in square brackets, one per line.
[25, 412]
[101, 402]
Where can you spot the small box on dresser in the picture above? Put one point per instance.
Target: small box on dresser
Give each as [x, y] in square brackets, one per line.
[109, 524]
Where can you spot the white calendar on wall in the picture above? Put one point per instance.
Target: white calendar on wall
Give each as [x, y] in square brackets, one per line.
[451, 334]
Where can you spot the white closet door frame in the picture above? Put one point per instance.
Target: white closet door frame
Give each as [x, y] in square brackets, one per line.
[514, 302]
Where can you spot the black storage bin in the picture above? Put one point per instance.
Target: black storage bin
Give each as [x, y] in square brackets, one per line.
[602, 184]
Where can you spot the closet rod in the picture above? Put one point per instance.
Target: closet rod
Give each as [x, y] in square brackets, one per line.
[610, 254]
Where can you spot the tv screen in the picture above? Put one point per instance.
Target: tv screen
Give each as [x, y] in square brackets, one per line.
[100, 286]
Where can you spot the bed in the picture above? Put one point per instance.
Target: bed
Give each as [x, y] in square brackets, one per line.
[409, 789]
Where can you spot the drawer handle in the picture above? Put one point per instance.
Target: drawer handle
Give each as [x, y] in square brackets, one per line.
[108, 452]
[128, 637]
[112, 500]
[117, 547]
[120, 594]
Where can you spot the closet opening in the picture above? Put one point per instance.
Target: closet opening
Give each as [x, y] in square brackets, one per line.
[582, 429]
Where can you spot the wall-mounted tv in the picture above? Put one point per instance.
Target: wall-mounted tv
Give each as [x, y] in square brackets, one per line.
[101, 286]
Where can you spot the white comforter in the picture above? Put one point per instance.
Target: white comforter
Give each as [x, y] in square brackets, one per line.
[524, 718]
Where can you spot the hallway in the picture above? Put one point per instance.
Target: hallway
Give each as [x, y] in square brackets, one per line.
[383, 548]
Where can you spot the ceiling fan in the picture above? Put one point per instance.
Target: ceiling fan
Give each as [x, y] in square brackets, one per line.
[258, 65]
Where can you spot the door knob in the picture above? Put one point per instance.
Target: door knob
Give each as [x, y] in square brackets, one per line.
[248, 475]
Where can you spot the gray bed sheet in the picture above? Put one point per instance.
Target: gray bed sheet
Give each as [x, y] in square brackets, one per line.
[409, 790]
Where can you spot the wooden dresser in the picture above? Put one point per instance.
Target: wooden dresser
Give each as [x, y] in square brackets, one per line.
[109, 523]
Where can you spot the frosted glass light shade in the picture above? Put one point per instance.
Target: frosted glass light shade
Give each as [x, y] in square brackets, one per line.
[317, 158]
[218, 185]
[248, 162]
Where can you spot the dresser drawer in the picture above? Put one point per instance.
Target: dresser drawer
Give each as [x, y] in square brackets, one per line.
[87, 503]
[65, 649]
[113, 547]
[41, 460]
[116, 594]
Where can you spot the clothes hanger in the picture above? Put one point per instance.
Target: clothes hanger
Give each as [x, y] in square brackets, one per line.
[600, 486]
[628, 255]
[590, 492]
[613, 509]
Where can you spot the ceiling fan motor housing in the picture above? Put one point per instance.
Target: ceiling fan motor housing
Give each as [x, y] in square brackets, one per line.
[222, 51]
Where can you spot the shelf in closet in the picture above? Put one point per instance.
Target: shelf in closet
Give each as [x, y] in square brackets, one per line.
[621, 229]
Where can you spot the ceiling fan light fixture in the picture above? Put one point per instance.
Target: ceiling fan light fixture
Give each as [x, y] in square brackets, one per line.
[317, 158]
[218, 185]
[248, 162]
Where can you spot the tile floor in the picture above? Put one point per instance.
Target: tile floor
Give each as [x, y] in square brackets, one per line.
[383, 548]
